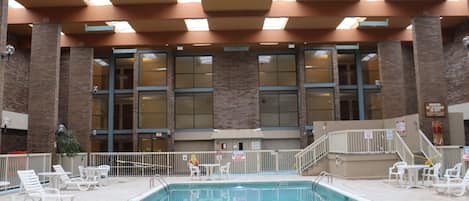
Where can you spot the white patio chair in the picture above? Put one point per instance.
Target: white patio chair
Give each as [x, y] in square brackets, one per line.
[33, 189]
[454, 172]
[455, 186]
[81, 169]
[225, 169]
[397, 171]
[194, 170]
[104, 172]
[80, 183]
[432, 173]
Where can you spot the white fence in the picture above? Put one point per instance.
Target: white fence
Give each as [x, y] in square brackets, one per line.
[71, 163]
[256, 162]
[452, 155]
[11, 163]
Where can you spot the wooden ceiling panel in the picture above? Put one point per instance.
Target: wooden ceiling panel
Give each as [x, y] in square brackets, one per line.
[51, 3]
[450, 22]
[235, 23]
[313, 22]
[130, 2]
[20, 29]
[236, 5]
[79, 28]
[327, 0]
[158, 25]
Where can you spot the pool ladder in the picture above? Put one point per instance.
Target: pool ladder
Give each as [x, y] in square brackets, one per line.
[158, 178]
[319, 178]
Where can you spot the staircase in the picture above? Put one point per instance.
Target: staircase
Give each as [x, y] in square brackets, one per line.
[366, 141]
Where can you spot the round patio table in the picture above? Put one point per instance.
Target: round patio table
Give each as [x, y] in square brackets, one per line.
[413, 176]
[209, 168]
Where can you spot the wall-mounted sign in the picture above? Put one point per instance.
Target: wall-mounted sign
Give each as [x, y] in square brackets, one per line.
[184, 157]
[400, 127]
[238, 155]
[389, 134]
[368, 135]
[435, 109]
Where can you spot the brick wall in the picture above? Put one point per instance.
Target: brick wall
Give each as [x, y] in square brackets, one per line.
[15, 97]
[457, 66]
[13, 140]
[236, 94]
[64, 85]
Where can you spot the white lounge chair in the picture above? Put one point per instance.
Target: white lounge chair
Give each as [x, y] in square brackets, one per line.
[104, 172]
[81, 169]
[225, 169]
[455, 186]
[432, 173]
[194, 170]
[397, 171]
[454, 172]
[80, 183]
[33, 189]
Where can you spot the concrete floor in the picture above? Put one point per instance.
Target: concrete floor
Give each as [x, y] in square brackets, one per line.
[123, 189]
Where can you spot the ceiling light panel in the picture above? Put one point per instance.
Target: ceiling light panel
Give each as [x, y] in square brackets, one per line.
[196, 24]
[14, 4]
[275, 23]
[350, 22]
[121, 26]
[99, 2]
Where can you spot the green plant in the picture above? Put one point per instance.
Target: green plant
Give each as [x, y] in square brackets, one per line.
[67, 143]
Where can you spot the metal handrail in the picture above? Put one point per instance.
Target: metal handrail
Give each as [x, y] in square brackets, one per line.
[160, 179]
[406, 154]
[319, 178]
[435, 157]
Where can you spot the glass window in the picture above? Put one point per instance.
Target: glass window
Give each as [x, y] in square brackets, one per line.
[152, 110]
[149, 143]
[194, 72]
[99, 143]
[152, 69]
[318, 66]
[319, 105]
[277, 70]
[347, 69]
[100, 112]
[194, 110]
[124, 73]
[370, 68]
[349, 105]
[123, 143]
[123, 112]
[373, 105]
[279, 109]
[101, 74]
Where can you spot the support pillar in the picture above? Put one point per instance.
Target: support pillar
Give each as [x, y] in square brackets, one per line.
[302, 114]
[429, 71]
[3, 41]
[79, 94]
[43, 101]
[171, 100]
[391, 66]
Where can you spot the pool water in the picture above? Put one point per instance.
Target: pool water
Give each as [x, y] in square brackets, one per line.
[257, 191]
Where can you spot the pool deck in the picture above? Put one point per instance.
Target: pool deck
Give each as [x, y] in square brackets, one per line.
[125, 188]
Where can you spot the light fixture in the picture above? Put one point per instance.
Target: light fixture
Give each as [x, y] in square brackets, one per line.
[374, 23]
[9, 50]
[101, 62]
[201, 44]
[14, 4]
[350, 22]
[62, 33]
[121, 26]
[347, 47]
[368, 57]
[275, 23]
[99, 2]
[291, 45]
[197, 24]
[101, 28]
[268, 44]
[189, 1]
[409, 27]
[180, 48]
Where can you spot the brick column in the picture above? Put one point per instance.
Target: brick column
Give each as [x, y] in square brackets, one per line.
[135, 105]
[429, 70]
[302, 115]
[79, 94]
[3, 41]
[170, 98]
[44, 87]
[391, 67]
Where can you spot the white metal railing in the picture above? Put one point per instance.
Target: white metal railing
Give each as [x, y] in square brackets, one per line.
[256, 162]
[71, 163]
[402, 149]
[450, 155]
[427, 148]
[312, 153]
[11, 163]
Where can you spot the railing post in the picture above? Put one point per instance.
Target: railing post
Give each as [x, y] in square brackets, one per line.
[167, 163]
[6, 168]
[276, 161]
[258, 162]
[143, 170]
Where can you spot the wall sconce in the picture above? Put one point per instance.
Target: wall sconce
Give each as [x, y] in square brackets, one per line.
[378, 84]
[9, 50]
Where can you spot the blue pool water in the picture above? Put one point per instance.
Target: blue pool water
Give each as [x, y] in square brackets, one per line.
[258, 191]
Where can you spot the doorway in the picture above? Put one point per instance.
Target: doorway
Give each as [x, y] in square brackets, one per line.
[153, 144]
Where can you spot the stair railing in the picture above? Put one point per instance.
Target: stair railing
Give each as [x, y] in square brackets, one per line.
[402, 150]
[428, 149]
[312, 153]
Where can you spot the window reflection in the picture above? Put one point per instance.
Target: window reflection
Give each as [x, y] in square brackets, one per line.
[279, 109]
[194, 72]
[349, 105]
[373, 105]
[124, 73]
[152, 110]
[318, 66]
[319, 105]
[347, 69]
[370, 68]
[277, 70]
[153, 69]
[123, 112]
[194, 110]
[101, 73]
[100, 112]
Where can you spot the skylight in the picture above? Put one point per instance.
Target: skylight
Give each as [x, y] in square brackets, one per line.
[196, 24]
[350, 22]
[99, 2]
[275, 23]
[121, 26]
[14, 4]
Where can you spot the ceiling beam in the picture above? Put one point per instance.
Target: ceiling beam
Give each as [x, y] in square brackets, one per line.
[195, 10]
[234, 37]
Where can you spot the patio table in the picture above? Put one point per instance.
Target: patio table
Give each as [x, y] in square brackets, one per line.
[54, 177]
[93, 173]
[209, 168]
[413, 176]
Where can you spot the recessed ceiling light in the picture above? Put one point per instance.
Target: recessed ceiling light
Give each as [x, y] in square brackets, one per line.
[14, 4]
[201, 45]
[409, 27]
[179, 47]
[350, 22]
[121, 26]
[99, 2]
[275, 23]
[196, 24]
[62, 33]
[291, 45]
[268, 43]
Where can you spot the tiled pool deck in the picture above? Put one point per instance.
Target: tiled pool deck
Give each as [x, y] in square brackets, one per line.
[123, 189]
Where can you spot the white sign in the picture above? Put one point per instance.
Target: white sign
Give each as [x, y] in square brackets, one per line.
[255, 145]
[158, 134]
[400, 127]
[368, 135]
[184, 157]
[389, 135]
